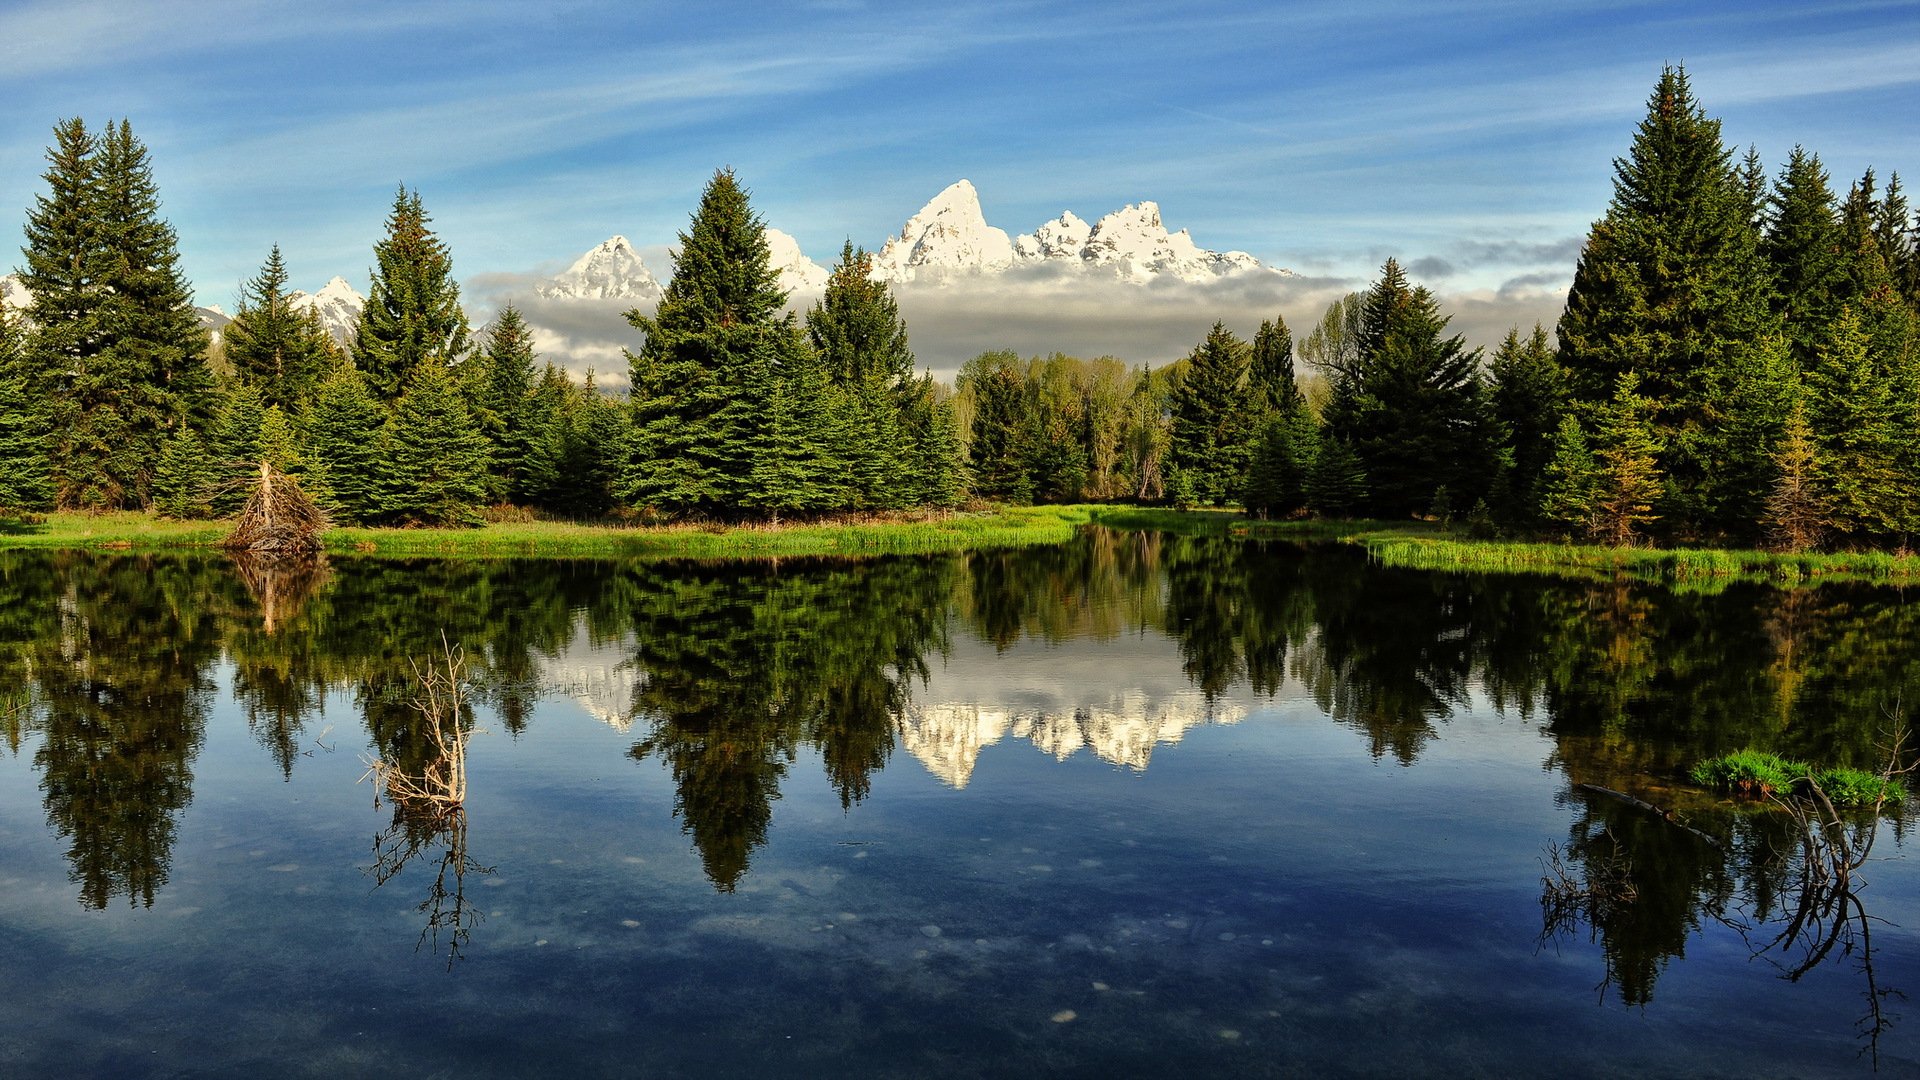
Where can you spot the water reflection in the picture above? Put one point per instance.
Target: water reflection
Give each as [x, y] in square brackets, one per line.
[729, 675]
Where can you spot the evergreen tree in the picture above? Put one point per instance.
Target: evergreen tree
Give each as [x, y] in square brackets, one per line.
[693, 430]
[1802, 246]
[235, 449]
[183, 483]
[1271, 386]
[1856, 422]
[1283, 456]
[1337, 482]
[1628, 472]
[280, 351]
[1411, 404]
[1569, 482]
[506, 408]
[857, 332]
[934, 476]
[413, 317]
[24, 482]
[590, 427]
[1212, 421]
[1529, 398]
[1672, 287]
[1798, 515]
[1002, 450]
[343, 429]
[433, 459]
[118, 353]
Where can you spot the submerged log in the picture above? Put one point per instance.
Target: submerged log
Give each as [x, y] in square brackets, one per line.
[279, 518]
[1660, 812]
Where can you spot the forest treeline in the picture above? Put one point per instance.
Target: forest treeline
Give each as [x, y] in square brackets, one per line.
[1735, 363]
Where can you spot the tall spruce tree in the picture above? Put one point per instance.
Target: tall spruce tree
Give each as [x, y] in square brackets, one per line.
[24, 482]
[1671, 286]
[433, 459]
[343, 431]
[1271, 385]
[1802, 246]
[281, 351]
[1411, 404]
[695, 432]
[1627, 477]
[861, 340]
[506, 408]
[1529, 398]
[1570, 481]
[118, 354]
[1002, 449]
[1213, 418]
[412, 318]
[1859, 435]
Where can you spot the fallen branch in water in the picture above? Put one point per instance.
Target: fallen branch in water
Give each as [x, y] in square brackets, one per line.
[1659, 812]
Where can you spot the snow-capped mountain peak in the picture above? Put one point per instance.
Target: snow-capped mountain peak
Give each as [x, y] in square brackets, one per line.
[338, 305]
[948, 234]
[798, 274]
[612, 270]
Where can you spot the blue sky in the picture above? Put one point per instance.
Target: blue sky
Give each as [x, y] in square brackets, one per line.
[1472, 140]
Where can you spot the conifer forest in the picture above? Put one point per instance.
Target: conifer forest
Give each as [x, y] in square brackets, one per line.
[1736, 364]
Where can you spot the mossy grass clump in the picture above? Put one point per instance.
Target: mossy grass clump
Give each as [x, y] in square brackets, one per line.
[1755, 774]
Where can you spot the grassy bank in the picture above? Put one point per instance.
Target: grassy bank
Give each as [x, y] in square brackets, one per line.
[1682, 566]
[1006, 527]
[1234, 523]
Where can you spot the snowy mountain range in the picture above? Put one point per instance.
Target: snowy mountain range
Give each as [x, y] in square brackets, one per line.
[338, 304]
[950, 235]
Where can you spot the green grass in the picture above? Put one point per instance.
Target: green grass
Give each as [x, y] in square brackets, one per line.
[1756, 773]
[1234, 523]
[1000, 528]
[1672, 565]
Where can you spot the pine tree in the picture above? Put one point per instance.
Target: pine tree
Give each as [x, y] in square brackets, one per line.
[1529, 398]
[235, 449]
[118, 354]
[1569, 483]
[343, 431]
[1411, 404]
[858, 334]
[1802, 246]
[183, 483]
[1798, 515]
[24, 482]
[506, 408]
[1283, 455]
[1272, 388]
[1002, 450]
[589, 427]
[1671, 286]
[413, 317]
[1337, 483]
[433, 460]
[280, 351]
[693, 433]
[934, 475]
[1856, 422]
[1212, 419]
[1628, 474]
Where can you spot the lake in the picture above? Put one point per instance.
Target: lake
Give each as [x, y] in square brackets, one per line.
[1131, 805]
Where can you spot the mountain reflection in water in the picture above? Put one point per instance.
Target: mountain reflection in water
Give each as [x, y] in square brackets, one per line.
[731, 676]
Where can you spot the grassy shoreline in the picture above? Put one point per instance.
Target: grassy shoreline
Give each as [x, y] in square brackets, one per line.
[1411, 545]
[1000, 528]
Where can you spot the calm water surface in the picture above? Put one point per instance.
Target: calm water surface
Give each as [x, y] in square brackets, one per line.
[1125, 806]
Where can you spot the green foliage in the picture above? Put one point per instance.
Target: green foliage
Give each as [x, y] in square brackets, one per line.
[432, 462]
[1628, 470]
[1859, 434]
[117, 356]
[1752, 773]
[1855, 787]
[1671, 286]
[703, 416]
[1213, 416]
[344, 439]
[1529, 398]
[413, 317]
[1004, 446]
[235, 449]
[1569, 482]
[1337, 483]
[1802, 246]
[1798, 515]
[280, 352]
[24, 481]
[860, 339]
[1410, 403]
[183, 485]
[507, 408]
[1283, 456]
[1271, 386]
